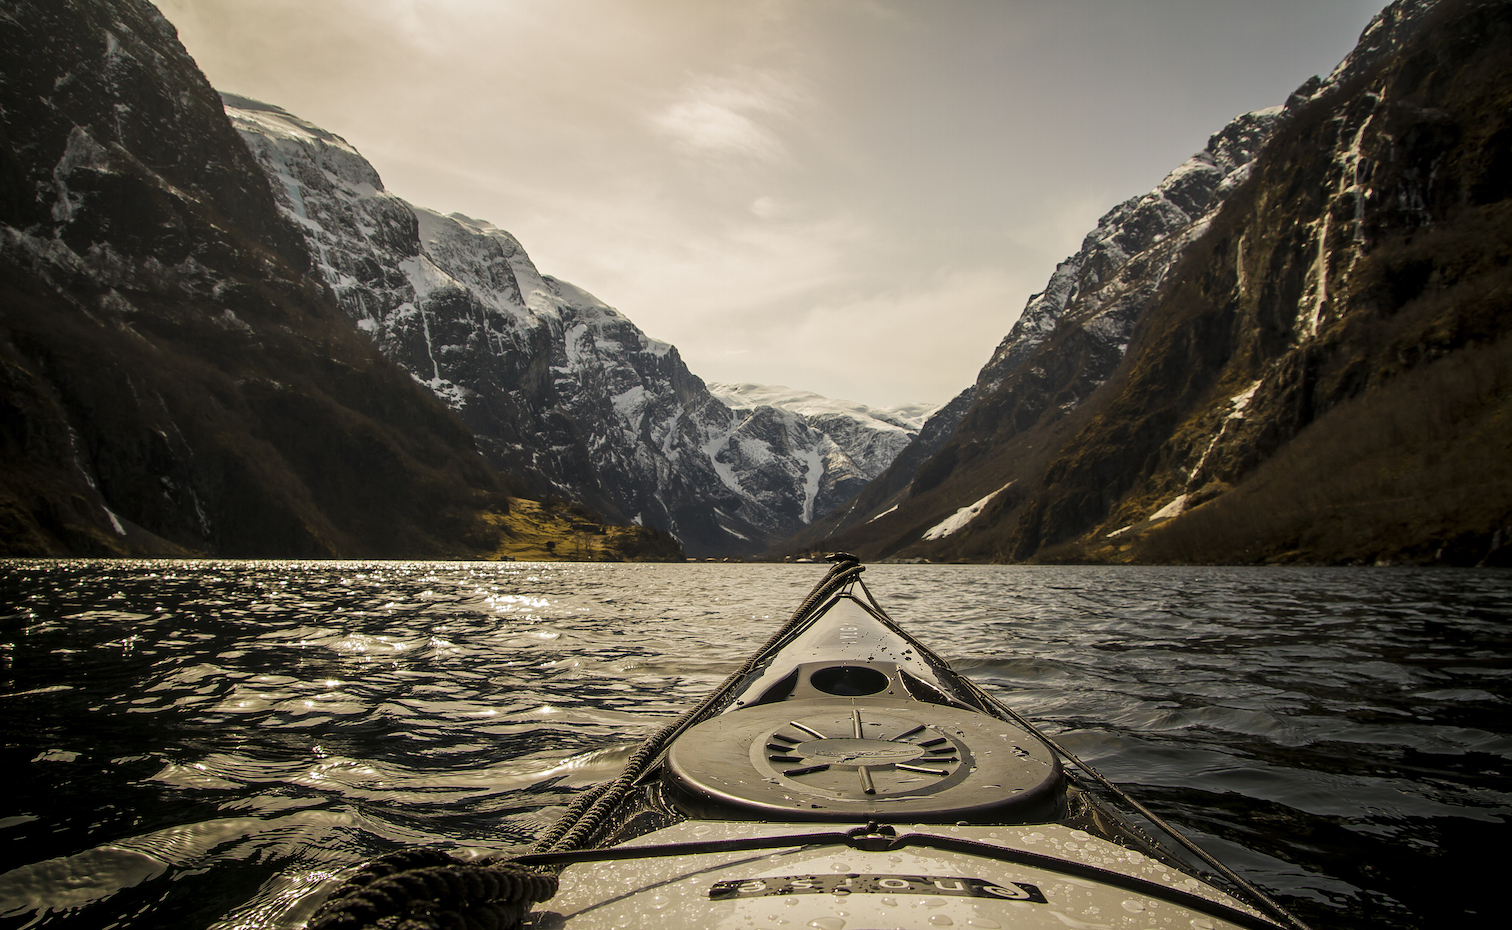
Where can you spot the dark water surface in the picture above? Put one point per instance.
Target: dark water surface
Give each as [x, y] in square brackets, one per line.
[198, 744]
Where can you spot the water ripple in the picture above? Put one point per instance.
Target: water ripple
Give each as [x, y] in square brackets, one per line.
[204, 743]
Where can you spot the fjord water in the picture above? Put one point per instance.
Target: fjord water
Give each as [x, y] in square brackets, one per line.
[199, 744]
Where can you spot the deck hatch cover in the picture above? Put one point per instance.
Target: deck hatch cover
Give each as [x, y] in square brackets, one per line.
[857, 759]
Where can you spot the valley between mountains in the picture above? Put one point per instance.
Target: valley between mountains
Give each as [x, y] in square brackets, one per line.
[220, 335]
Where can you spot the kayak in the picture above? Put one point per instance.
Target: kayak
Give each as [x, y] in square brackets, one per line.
[844, 777]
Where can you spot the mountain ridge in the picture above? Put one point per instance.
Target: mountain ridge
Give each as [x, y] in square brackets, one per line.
[1294, 348]
[558, 387]
[1362, 250]
[1092, 299]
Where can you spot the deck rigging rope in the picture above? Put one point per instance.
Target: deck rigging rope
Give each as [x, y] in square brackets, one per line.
[584, 819]
[427, 889]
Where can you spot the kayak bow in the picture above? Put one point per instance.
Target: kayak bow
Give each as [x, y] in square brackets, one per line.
[844, 777]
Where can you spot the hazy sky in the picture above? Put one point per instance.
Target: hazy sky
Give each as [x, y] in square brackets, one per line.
[854, 197]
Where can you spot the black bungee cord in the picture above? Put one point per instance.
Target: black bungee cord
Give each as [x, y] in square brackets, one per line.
[428, 889]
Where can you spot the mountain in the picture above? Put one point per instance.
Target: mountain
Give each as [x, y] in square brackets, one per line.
[1088, 311]
[559, 388]
[175, 379]
[868, 438]
[1295, 349]
[853, 443]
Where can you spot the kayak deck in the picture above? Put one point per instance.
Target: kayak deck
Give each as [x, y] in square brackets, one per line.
[852, 722]
[750, 817]
[832, 887]
[843, 777]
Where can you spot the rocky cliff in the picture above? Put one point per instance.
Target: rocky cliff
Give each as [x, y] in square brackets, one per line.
[174, 378]
[558, 388]
[1087, 310]
[1306, 360]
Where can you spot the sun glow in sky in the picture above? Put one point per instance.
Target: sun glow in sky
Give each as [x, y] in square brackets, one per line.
[854, 197]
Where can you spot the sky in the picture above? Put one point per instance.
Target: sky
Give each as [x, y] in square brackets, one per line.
[852, 197]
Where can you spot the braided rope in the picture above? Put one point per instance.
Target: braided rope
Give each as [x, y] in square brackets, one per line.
[427, 889]
[430, 890]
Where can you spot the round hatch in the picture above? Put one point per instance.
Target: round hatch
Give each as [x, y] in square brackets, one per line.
[844, 760]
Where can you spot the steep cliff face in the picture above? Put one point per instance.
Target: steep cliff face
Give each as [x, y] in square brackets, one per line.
[1350, 399]
[173, 379]
[1319, 372]
[1088, 311]
[558, 387]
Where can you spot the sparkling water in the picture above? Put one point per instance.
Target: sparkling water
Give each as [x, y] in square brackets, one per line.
[200, 744]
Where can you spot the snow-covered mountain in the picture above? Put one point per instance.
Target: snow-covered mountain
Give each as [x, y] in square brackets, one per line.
[906, 417]
[869, 437]
[1125, 260]
[1090, 305]
[559, 388]
[852, 443]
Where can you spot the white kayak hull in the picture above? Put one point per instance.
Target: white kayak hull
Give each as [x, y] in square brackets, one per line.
[855, 781]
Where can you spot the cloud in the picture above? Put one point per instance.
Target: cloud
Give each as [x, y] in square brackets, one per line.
[707, 126]
[725, 117]
[668, 276]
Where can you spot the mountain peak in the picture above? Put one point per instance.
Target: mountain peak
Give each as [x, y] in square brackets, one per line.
[336, 154]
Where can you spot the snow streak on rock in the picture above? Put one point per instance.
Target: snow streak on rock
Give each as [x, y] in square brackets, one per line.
[958, 520]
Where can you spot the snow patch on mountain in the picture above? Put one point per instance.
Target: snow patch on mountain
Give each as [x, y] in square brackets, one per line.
[807, 403]
[865, 438]
[958, 520]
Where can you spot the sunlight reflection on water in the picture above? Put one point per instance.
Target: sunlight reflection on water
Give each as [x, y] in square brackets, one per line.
[203, 743]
